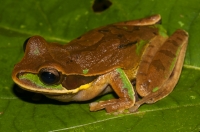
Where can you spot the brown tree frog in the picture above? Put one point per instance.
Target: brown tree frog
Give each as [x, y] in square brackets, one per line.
[105, 59]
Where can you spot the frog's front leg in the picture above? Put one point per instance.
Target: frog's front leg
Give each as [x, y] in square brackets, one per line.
[158, 75]
[123, 88]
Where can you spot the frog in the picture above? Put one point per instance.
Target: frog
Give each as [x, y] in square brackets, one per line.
[135, 59]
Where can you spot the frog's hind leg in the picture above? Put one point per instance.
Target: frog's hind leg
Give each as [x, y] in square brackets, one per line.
[162, 85]
[161, 93]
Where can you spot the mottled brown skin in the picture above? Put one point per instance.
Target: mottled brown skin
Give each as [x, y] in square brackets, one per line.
[101, 51]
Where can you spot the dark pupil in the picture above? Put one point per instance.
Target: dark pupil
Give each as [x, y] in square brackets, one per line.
[48, 77]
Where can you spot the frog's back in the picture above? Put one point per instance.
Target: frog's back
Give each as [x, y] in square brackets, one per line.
[97, 52]
[104, 49]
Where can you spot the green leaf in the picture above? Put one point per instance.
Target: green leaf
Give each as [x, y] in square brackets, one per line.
[63, 20]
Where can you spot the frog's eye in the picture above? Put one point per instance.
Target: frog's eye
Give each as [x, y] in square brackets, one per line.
[49, 76]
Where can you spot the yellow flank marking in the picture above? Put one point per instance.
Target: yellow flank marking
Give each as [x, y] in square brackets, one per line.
[82, 87]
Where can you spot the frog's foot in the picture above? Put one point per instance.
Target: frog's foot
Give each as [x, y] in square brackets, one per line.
[113, 105]
[148, 99]
[154, 97]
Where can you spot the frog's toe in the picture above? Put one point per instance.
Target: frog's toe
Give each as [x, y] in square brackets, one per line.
[115, 105]
[95, 106]
[134, 108]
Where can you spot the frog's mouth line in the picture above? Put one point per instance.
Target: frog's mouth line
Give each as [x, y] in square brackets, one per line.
[31, 82]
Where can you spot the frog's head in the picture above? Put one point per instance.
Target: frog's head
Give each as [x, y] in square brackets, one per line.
[40, 71]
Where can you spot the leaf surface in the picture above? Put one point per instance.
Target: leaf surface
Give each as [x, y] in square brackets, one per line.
[63, 20]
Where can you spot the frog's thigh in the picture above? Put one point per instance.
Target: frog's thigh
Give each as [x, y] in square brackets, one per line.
[124, 101]
[165, 87]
